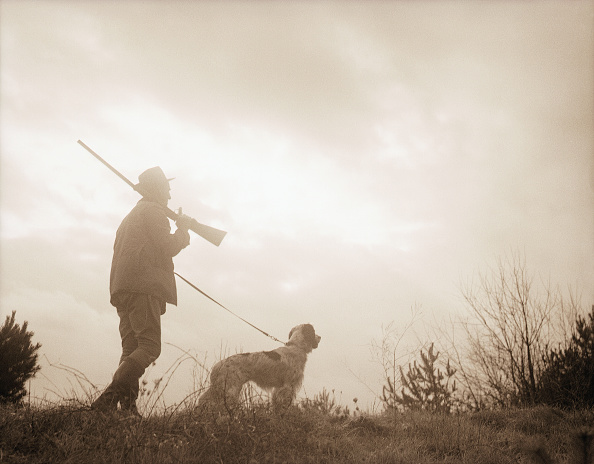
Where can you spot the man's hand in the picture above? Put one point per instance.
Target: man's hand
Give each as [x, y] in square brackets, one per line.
[183, 222]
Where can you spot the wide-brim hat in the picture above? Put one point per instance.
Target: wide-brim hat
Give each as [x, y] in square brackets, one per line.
[153, 178]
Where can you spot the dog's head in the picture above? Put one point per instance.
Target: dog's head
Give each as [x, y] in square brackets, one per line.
[304, 336]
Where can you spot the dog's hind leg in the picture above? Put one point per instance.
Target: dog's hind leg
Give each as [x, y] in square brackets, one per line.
[283, 397]
[225, 388]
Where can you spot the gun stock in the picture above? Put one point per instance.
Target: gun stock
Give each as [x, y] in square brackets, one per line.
[214, 236]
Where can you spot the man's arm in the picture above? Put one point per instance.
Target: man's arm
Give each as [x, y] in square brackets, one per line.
[159, 231]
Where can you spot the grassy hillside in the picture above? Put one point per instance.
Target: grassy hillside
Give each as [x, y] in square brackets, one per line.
[306, 434]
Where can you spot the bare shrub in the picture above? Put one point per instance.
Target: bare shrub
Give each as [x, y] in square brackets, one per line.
[513, 322]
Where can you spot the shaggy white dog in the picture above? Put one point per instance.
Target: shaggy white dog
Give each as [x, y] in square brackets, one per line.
[280, 370]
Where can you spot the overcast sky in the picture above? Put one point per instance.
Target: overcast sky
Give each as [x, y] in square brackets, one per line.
[364, 157]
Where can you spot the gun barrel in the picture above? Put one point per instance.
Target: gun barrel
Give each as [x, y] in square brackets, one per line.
[114, 170]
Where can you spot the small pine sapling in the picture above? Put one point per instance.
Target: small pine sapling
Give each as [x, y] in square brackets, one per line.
[424, 386]
[18, 360]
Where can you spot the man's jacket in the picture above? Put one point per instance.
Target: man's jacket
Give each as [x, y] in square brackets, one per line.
[143, 251]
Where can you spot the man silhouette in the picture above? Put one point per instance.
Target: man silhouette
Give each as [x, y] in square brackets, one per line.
[141, 283]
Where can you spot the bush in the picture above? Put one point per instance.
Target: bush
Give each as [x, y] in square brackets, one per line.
[568, 378]
[424, 387]
[18, 360]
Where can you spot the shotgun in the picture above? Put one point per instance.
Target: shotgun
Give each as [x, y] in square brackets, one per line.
[214, 236]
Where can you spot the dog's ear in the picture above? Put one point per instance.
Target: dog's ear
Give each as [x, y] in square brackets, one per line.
[291, 332]
[310, 335]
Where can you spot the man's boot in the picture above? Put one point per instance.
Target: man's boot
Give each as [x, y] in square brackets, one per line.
[107, 402]
[123, 388]
[127, 376]
[128, 400]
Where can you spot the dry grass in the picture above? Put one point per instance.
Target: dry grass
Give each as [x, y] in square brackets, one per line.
[317, 430]
[310, 433]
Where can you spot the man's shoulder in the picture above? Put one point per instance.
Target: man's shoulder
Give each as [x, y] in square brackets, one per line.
[149, 210]
[149, 206]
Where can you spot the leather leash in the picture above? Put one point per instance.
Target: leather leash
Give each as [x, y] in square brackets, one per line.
[227, 309]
